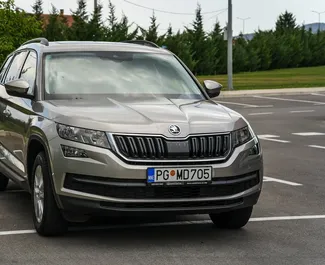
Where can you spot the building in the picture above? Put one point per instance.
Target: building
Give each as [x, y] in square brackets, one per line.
[68, 18]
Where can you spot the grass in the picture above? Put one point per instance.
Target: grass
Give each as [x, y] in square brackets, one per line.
[282, 78]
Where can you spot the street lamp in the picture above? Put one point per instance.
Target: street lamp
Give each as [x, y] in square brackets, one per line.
[319, 13]
[229, 47]
[243, 19]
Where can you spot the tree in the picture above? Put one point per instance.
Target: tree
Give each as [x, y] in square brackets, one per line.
[285, 22]
[220, 59]
[38, 9]
[96, 29]
[169, 31]
[306, 43]
[201, 47]
[261, 45]
[124, 27]
[79, 27]
[151, 34]
[180, 46]
[119, 30]
[16, 27]
[240, 55]
[56, 28]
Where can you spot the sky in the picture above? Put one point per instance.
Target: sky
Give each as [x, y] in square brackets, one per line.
[262, 13]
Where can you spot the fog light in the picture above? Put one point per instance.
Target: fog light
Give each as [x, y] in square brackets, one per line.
[69, 151]
[254, 150]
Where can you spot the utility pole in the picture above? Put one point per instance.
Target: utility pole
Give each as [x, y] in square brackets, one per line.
[95, 5]
[319, 13]
[229, 37]
[244, 19]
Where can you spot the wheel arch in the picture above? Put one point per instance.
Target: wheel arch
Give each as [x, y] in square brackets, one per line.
[37, 144]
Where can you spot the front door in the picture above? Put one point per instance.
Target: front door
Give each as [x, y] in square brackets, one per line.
[12, 137]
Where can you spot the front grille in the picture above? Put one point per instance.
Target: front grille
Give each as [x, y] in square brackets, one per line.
[139, 190]
[159, 148]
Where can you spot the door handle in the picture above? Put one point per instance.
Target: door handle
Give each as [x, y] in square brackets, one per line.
[7, 113]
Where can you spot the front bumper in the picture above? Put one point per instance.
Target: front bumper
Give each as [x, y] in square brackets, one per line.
[100, 208]
[103, 183]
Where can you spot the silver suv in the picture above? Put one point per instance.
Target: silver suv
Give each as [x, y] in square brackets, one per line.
[97, 128]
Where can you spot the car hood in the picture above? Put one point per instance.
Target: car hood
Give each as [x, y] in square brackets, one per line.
[145, 115]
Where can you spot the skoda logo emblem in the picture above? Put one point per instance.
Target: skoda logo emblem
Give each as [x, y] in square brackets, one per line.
[174, 130]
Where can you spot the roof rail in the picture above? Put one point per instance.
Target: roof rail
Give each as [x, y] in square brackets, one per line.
[142, 42]
[42, 41]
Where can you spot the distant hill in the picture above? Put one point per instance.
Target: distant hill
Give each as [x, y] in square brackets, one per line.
[312, 26]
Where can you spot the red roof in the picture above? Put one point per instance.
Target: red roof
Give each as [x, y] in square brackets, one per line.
[68, 18]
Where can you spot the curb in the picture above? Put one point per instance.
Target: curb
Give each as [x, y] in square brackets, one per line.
[274, 92]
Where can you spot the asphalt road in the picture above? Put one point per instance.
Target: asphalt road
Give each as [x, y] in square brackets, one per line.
[292, 133]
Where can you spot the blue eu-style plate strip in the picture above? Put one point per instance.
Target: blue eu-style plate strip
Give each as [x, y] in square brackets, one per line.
[151, 175]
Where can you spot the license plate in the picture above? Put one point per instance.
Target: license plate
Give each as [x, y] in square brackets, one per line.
[179, 176]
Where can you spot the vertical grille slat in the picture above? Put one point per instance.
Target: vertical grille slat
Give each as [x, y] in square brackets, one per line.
[142, 146]
[203, 147]
[151, 148]
[226, 145]
[160, 147]
[195, 147]
[156, 148]
[132, 146]
[122, 145]
[219, 145]
[210, 146]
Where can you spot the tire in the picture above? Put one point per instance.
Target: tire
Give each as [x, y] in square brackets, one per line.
[232, 220]
[3, 182]
[50, 222]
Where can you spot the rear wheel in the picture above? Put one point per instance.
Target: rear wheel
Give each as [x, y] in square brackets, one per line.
[232, 220]
[3, 182]
[48, 220]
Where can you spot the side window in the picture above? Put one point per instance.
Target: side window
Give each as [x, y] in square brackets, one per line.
[28, 72]
[15, 67]
[4, 67]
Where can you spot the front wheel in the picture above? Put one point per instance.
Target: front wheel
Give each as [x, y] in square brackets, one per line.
[48, 220]
[3, 182]
[232, 220]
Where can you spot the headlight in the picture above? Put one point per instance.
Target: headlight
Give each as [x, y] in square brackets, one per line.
[240, 137]
[91, 137]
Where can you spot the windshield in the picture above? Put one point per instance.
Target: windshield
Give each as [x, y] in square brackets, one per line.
[117, 73]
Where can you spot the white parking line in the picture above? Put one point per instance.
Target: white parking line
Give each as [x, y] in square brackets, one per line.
[268, 179]
[317, 146]
[260, 113]
[293, 100]
[262, 106]
[269, 137]
[287, 218]
[317, 94]
[301, 111]
[239, 104]
[309, 134]
[17, 232]
[181, 223]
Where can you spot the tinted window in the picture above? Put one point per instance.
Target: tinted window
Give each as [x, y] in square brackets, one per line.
[117, 73]
[28, 72]
[15, 67]
[4, 68]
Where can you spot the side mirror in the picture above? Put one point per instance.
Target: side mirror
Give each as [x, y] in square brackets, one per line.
[213, 88]
[17, 88]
